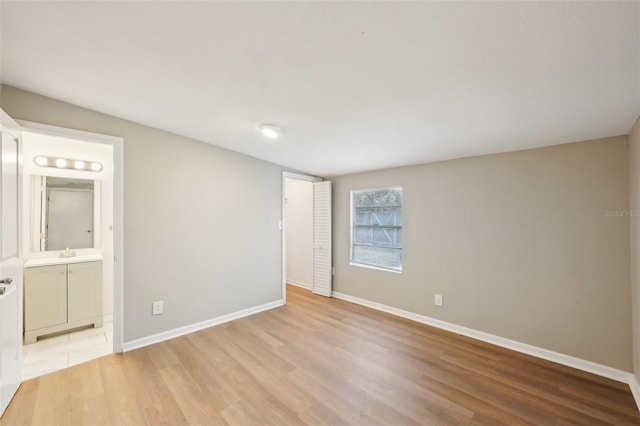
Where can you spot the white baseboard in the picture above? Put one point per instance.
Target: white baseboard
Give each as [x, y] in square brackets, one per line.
[570, 361]
[299, 284]
[176, 332]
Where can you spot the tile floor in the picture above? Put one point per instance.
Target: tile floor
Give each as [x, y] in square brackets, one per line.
[59, 352]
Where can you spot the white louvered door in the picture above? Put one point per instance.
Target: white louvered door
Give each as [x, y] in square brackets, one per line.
[322, 238]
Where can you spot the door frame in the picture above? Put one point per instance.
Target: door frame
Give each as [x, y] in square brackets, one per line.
[283, 222]
[118, 213]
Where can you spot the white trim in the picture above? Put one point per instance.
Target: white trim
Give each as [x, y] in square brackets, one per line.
[180, 331]
[283, 223]
[570, 361]
[81, 135]
[118, 246]
[299, 284]
[107, 318]
[118, 213]
[297, 176]
[635, 389]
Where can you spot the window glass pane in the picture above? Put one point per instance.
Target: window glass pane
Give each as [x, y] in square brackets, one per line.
[363, 199]
[398, 216]
[384, 216]
[378, 256]
[383, 237]
[376, 230]
[363, 236]
[363, 216]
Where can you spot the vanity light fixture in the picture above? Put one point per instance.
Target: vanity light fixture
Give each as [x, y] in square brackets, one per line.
[270, 130]
[41, 161]
[66, 163]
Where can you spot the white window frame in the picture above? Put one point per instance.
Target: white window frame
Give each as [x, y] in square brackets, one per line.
[359, 263]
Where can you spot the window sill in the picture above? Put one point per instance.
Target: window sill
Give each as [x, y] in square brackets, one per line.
[379, 268]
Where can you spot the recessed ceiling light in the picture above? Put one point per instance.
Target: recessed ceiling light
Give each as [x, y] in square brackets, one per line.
[270, 130]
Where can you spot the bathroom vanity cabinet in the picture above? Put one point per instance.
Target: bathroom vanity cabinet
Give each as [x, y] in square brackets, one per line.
[61, 297]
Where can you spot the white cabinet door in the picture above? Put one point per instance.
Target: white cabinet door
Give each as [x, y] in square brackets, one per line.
[322, 238]
[84, 288]
[11, 265]
[45, 296]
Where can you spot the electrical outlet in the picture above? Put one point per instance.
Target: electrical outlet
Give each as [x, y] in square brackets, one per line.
[158, 307]
[438, 300]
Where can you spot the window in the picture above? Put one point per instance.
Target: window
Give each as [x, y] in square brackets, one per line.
[376, 228]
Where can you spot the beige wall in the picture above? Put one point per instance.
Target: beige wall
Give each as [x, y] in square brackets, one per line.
[518, 244]
[200, 223]
[299, 232]
[634, 203]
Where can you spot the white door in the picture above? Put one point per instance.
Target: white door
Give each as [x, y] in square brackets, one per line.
[11, 265]
[322, 238]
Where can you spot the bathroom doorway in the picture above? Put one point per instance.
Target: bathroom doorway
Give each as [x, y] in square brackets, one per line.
[70, 178]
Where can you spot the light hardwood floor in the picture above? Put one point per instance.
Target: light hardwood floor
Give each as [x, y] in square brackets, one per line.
[321, 361]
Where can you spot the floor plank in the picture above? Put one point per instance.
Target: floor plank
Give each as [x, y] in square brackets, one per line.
[321, 361]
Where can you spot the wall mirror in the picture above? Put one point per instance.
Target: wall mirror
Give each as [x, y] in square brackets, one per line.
[65, 213]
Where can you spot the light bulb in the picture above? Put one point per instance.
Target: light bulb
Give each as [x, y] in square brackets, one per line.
[269, 130]
[78, 164]
[96, 167]
[61, 163]
[42, 161]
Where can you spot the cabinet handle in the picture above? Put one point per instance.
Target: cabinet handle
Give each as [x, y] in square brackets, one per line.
[6, 281]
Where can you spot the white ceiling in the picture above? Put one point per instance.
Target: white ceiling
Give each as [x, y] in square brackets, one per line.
[354, 85]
